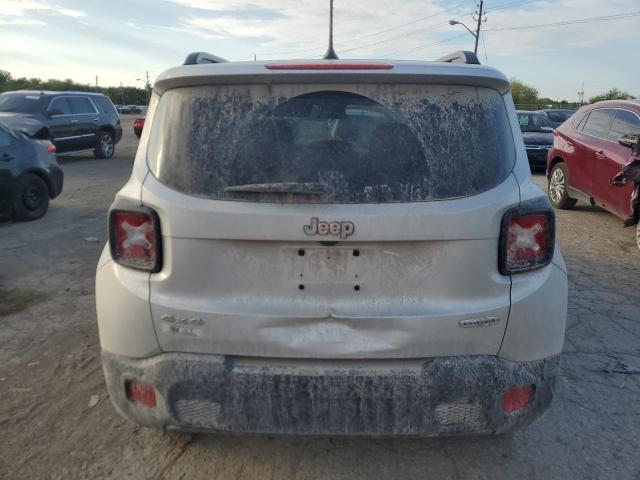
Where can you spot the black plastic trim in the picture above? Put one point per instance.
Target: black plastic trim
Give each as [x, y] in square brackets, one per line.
[540, 206]
[157, 231]
[463, 56]
[330, 397]
[197, 58]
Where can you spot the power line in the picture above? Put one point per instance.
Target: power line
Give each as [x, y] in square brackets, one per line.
[408, 34]
[519, 3]
[455, 7]
[567, 22]
[484, 46]
[380, 32]
[427, 28]
[419, 47]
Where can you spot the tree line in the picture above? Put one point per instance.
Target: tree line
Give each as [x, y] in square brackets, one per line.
[527, 96]
[118, 95]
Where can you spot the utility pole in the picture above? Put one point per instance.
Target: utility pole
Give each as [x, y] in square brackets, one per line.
[480, 21]
[122, 93]
[148, 87]
[581, 95]
[96, 83]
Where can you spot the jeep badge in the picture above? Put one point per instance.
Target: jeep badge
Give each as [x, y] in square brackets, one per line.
[337, 229]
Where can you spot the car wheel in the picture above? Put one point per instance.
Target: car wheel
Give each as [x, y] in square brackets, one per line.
[558, 191]
[105, 146]
[30, 197]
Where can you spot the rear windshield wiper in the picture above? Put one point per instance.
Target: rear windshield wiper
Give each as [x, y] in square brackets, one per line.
[296, 188]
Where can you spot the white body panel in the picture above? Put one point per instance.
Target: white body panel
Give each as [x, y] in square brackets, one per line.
[122, 299]
[235, 267]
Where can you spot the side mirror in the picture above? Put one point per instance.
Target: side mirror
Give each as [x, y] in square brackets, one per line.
[632, 142]
[54, 111]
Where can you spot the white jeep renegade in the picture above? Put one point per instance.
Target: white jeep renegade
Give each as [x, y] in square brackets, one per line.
[331, 247]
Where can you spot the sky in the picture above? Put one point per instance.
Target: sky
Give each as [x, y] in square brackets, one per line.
[119, 41]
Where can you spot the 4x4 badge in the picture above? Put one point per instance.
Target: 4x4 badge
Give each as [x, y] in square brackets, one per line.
[337, 229]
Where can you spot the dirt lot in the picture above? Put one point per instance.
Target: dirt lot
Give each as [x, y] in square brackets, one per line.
[50, 369]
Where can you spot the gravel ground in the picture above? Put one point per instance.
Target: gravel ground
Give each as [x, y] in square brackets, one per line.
[50, 369]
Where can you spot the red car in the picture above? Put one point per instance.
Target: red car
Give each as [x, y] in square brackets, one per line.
[138, 125]
[588, 151]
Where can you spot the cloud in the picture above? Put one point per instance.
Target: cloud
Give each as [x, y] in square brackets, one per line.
[70, 13]
[20, 21]
[545, 41]
[15, 8]
[13, 12]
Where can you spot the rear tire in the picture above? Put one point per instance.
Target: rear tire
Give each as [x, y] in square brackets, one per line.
[105, 145]
[557, 190]
[30, 197]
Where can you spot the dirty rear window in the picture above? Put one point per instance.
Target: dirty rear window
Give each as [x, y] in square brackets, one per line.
[21, 102]
[331, 143]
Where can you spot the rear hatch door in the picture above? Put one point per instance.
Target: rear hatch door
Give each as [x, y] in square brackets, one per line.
[332, 221]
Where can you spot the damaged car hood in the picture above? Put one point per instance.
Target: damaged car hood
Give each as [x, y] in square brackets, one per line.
[25, 124]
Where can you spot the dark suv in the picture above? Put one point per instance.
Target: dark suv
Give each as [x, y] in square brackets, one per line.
[76, 121]
[537, 136]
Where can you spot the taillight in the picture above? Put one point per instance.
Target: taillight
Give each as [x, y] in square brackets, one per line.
[527, 238]
[141, 393]
[51, 148]
[514, 399]
[134, 238]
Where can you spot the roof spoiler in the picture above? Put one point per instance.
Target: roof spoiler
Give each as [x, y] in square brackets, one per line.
[197, 58]
[462, 56]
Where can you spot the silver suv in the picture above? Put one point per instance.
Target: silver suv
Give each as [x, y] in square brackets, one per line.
[331, 247]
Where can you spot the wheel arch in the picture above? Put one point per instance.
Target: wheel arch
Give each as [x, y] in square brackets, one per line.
[556, 160]
[43, 175]
[109, 129]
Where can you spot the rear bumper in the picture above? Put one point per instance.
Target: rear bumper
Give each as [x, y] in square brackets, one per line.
[56, 180]
[118, 134]
[445, 395]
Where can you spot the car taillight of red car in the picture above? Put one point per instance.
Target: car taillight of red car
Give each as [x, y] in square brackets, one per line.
[138, 125]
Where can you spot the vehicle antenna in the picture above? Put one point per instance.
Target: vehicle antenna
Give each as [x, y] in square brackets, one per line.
[331, 54]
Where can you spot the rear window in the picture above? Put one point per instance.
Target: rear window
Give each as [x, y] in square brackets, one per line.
[599, 122]
[533, 122]
[331, 144]
[625, 123]
[104, 104]
[578, 121]
[20, 102]
[559, 116]
[80, 105]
